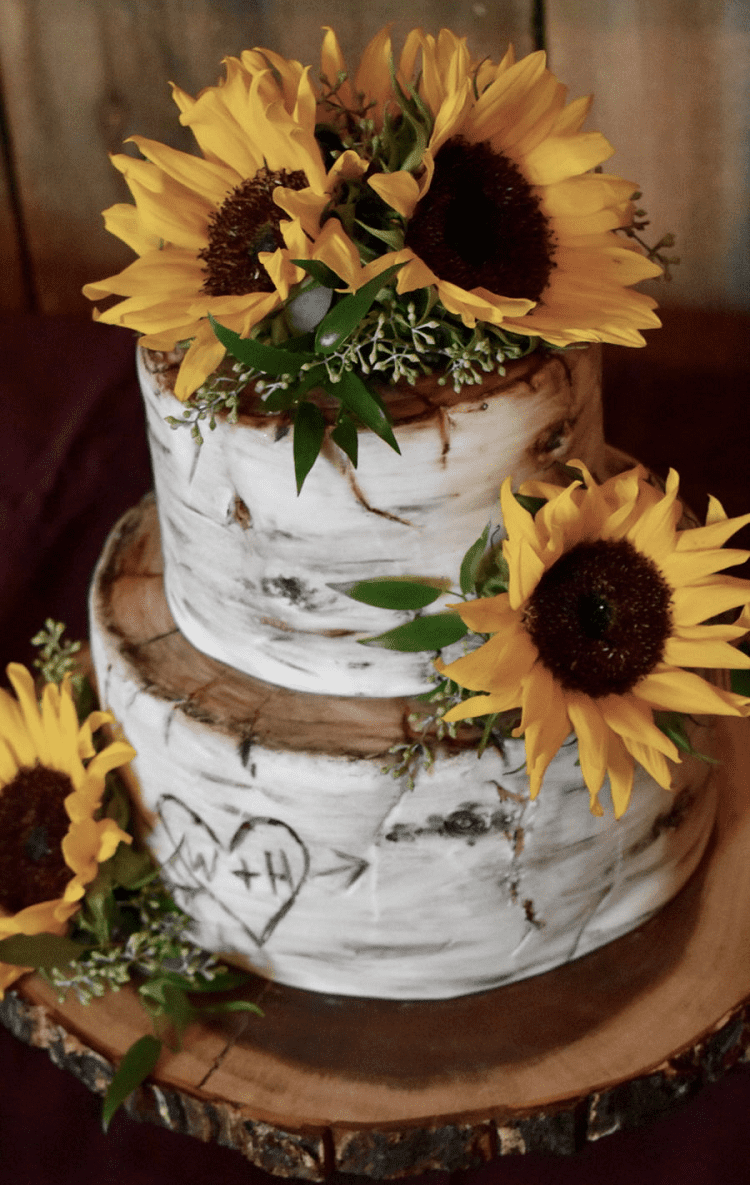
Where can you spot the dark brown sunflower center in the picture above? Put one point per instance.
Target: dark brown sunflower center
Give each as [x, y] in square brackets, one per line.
[246, 222]
[600, 617]
[33, 824]
[479, 225]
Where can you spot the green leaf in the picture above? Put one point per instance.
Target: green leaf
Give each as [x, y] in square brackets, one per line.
[320, 272]
[116, 802]
[359, 400]
[393, 238]
[266, 359]
[346, 437]
[309, 430]
[131, 868]
[406, 593]
[471, 562]
[40, 951]
[493, 576]
[232, 1006]
[533, 505]
[168, 1000]
[672, 724]
[136, 1065]
[346, 315]
[425, 633]
[99, 904]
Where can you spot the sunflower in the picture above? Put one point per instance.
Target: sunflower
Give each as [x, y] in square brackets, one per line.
[504, 219]
[208, 233]
[604, 611]
[51, 842]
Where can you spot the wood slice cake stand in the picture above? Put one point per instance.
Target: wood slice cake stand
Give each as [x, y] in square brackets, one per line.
[393, 1088]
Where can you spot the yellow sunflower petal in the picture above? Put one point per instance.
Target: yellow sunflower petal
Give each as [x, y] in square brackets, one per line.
[544, 724]
[482, 705]
[211, 182]
[91, 724]
[13, 729]
[718, 529]
[708, 654]
[116, 753]
[693, 604]
[653, 762]
[487, 614]
[332, 65]
[502, 662]
[399, 190]
[560, 157]
[496, 107]
[593, 741]
[631, 719]
[9, 765]
[682, 691]
[166, 209]
[573, 117]
[415, 273]
[653, 534]
[123, 221]
[680, 568]
[220, 135]
[481, 304]
[203, 356]
[23, 685]
[620, 769]
[586, 194]
[373, 77]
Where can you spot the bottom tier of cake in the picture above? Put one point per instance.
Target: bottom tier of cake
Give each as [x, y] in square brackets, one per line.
[289, 842]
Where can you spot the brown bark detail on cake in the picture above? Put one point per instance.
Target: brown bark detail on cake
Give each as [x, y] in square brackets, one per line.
[394, 518]
[578, 429]
[445, 423]
[241, 514]
[531, 918]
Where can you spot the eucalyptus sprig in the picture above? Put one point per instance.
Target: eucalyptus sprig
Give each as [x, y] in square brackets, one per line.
[655, 253]
[58, 658]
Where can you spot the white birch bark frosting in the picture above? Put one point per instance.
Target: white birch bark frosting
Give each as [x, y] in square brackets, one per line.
[251, 570]
[291, 847]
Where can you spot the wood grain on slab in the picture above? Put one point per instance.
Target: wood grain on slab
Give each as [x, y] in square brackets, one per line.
[253, 572]
[287, 839]
[392, 1088]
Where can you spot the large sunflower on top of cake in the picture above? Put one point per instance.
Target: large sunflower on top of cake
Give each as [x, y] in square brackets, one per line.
[208, 233]
[473, 179]
[52, 838]
[605, 622]
[502, 214]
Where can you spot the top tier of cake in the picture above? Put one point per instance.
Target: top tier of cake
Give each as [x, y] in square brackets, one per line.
[255, 574]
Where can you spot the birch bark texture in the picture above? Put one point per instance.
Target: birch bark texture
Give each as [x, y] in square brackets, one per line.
[284, 835]
[255, 575]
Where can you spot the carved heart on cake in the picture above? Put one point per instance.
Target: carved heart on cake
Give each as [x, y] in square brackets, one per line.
[260, 871]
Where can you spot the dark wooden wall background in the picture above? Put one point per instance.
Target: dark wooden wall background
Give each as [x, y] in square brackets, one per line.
[78, 76]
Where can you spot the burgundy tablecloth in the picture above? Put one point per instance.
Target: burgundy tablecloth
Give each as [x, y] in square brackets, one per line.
[72, 458]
